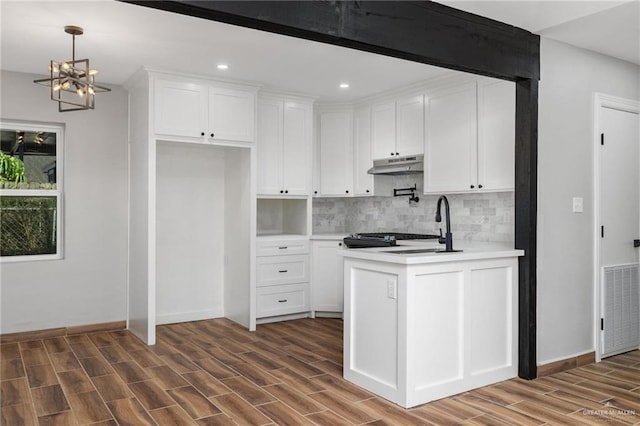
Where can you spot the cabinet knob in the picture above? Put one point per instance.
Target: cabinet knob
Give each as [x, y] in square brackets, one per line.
[479, 186]
[202, 134]
[286, 191]
[397, 153]
[392, 153]
[347, 191]
[213, 134]
[472, 186]
[281, 191]
[340, 244]
[315, 192]
[367, 191]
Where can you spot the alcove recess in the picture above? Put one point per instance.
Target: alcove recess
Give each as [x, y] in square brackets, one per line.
[282, 216]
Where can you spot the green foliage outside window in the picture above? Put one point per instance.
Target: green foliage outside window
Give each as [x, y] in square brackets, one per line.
[28, 225]
[11, 169]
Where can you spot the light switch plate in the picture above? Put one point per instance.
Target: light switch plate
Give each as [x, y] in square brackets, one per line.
[392, 289]
[578, 204]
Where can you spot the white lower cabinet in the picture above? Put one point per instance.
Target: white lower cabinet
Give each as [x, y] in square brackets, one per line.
[282, 277]
[282, 300]
[326, 276]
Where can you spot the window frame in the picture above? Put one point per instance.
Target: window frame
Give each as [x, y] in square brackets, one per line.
[59, 130]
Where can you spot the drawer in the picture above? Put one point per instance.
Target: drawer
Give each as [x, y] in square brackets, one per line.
[282, 247]
[276, 270]
[282, 300]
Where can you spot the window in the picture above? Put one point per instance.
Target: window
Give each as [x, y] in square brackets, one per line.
[30, 191]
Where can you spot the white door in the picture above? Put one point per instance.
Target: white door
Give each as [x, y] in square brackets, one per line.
[231, 115]
[336, 167]
[410, 126]
[269, 148]
[450, 158]
[496, 135]
[619, 202]
[297, 148]
[383, 130]
[180, 109]
[326, 276]
[362, 181]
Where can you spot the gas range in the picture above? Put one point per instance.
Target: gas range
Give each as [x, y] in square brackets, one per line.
[382, 239]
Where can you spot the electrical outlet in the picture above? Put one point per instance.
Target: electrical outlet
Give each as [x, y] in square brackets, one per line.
[578, 204]
[392, 289]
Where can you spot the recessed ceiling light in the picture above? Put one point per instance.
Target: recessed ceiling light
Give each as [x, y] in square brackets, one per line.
[223, 66]
[344, 85]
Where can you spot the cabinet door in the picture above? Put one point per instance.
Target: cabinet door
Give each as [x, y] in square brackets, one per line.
[336, 167]
[326, 276]
[180, 109]
[496, 135]
[450, 151]
[410, 126]
[383, 130]
[362, 181]
[231, 114]
[269, 148]
[297, 148]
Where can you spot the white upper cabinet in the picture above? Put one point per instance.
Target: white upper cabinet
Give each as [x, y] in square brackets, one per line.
[203, 112]
[496, 135]
[383, 130]
[470, 138]
[451, 143]
[231, 114]
[397, 128]
[362, 181]
[284, 146]
[410, 126]
[335, 140]
[180, 108]
[269, 148]
[297, 145]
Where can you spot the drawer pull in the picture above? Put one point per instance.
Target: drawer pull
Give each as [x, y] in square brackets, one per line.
[282, 300]
[283, 248]
[283, 270]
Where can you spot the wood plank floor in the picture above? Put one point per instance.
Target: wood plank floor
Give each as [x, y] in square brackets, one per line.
[216, 373]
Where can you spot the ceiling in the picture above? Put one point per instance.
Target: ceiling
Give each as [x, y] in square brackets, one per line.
[120, 38]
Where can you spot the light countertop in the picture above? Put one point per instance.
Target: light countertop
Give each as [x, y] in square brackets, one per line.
[471, 250]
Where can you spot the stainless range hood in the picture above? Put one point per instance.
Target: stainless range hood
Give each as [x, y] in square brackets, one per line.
[398, 165]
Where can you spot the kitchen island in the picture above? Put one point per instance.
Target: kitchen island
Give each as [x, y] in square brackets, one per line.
[421, 325]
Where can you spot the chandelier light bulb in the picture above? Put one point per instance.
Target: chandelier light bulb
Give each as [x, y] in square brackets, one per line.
[66, 84]
[56, 87]
[80, 92]
[93, 72]
[65, 66]
[91, 91]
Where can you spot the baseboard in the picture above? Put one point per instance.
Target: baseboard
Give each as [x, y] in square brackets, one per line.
[62, 331]
[566, 364]
[188, 316]
[280, 318]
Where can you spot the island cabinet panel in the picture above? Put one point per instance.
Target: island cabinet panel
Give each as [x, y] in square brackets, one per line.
[417, 332]
[490, 317]
[439, 309]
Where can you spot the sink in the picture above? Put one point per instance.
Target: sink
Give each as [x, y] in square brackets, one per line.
[412, 251]
[416, 251]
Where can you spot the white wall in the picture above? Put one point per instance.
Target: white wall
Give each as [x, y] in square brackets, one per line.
[89, 285]
[190, 249]
[569, 78]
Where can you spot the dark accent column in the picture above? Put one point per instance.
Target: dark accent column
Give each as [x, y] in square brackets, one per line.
[526, 193]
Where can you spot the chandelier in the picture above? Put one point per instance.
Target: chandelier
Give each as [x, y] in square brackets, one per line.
[72, 82]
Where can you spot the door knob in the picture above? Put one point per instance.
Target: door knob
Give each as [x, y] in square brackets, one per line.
[636, 243]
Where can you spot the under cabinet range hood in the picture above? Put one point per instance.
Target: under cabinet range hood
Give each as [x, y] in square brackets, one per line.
[398, 165]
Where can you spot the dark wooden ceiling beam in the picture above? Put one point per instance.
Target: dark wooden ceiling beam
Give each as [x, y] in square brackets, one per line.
[420, 31]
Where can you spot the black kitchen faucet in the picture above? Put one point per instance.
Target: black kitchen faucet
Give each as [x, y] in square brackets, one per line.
[447, 240]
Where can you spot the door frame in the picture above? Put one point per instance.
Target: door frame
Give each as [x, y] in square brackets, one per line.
[602, 100]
